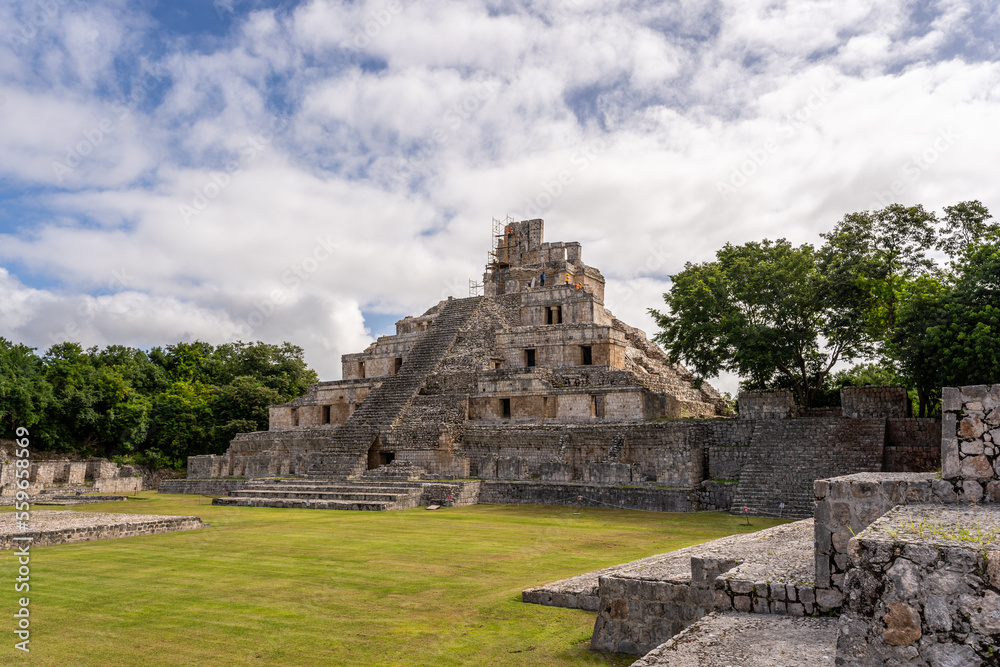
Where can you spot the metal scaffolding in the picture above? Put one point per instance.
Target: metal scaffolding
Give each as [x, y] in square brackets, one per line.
[503, 244]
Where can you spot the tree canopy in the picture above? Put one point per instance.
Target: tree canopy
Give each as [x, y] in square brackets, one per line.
[785, 316]
[157, 407]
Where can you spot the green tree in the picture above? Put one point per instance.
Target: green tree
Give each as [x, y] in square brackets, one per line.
[25, 394]
[181, 422]
[870, 256]
[764, 311]
[965, 224]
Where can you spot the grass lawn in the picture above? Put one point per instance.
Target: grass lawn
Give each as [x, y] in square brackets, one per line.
[268, 586]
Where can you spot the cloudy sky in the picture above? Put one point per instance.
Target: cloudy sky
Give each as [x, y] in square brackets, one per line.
[313, 171]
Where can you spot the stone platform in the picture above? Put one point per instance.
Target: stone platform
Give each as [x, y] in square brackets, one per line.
[318, 493]
[922, 589]
[48, 527]
[644, 603]
[749, 640]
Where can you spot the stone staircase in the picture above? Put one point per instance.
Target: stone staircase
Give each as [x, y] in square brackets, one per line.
[346, 455]
[397, 471]
[325, 494]
[788, 455]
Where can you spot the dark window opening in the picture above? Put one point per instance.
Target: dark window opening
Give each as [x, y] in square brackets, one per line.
[399, 364]
[597, 405]
[554, 315]
[326, 414]
[295, 416]
[588, 355]
[505, 407]
[361, 369]
[529, 358]
[385, 458]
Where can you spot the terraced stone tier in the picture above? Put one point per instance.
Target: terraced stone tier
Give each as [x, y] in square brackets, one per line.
[334, 495]
[642, 604]
[749, 640]
[354, 505]
[48, 527]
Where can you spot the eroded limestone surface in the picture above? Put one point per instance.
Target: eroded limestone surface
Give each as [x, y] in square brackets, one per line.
[48, 527]
[749, 640]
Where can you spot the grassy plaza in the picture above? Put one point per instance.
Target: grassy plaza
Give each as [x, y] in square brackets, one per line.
[305, 587]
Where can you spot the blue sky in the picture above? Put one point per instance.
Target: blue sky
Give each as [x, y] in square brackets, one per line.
[312, 171]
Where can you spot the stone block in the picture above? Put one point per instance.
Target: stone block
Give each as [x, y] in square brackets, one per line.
[993, 490]
[977, 392]
[902, 625]
[971, 428]
[829, 599]
[972, 492]
[741, 603]
[951, 399]
[822, 573]
[972, 448]
[977, 467]
[950, 460]
[741, 587]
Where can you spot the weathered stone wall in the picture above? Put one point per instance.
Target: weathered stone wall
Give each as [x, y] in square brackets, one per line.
[970, 439]
[912, 445]
[864, 402]
[651, 499]
[847, 505]
[923, 589]
[97, 474]
[204, 487]
[635, 615]
[716, 496]
[94, 527]
[762, 597]
[726, 444]
[766, 404]
[674, 453]
[788, 455]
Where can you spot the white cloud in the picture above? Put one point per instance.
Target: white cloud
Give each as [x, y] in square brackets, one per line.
[616, 122]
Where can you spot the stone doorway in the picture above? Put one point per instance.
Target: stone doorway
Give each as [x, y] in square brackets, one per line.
[378, 456]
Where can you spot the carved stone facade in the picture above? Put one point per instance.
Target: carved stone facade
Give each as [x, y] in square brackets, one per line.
[537, 383]
[539, 349]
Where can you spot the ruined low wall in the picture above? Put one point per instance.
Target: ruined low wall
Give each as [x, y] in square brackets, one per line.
[716, 496]
[766, 404]
[970, 439]
[205, 487]
[653, 499]
[921, 592]
[847, 505]
[912, 445]
[99, 530]
[866, 402]
[631, 616]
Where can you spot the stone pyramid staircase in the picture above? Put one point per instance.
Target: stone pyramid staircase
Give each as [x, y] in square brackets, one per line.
[325, 494]
[788, 455]
[346, 455]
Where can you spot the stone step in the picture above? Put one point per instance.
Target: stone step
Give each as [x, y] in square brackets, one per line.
[355, 505]
[306, 485]
[387, 402]
[320, 495]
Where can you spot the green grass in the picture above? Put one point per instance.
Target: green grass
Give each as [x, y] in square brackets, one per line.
[311, 587]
